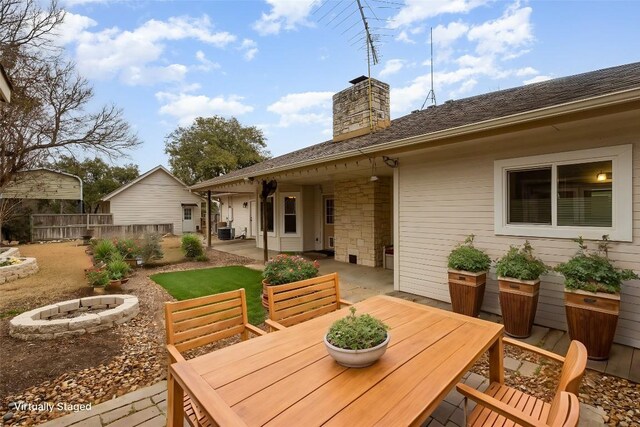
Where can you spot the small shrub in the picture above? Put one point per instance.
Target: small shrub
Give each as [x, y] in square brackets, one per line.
[357, 332]
[202, 258]
[150, 248]
[192, 246]
[97, 279]
[104, 250]
[117, 268]
[128, 248]
[468, 258]
[593, 272]
[289, 268]
[520, 264]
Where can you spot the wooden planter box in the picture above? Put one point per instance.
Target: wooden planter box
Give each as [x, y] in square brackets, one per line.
[467, 291]
[518, 302]
[592, 319]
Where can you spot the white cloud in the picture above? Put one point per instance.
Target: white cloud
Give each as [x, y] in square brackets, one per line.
[72, 26]
[527, 71]
[117, 53]
[149, 75]
[392, 66]
[205, 63]
[444, 36]
[284, 14]
[464, 88]
[304, 108]
[513, 30]
[404, 37]
[250, 49]
[186, 108]
[419, 10]
[537, 79]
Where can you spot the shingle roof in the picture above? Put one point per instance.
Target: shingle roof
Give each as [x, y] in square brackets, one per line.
[462, 112]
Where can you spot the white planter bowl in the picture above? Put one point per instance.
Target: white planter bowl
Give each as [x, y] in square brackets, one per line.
[357, 358]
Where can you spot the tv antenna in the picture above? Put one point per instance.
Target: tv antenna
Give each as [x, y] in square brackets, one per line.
[372, 56]
[431, 95]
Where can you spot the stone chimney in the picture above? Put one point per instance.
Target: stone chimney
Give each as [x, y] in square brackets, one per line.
[351, 109]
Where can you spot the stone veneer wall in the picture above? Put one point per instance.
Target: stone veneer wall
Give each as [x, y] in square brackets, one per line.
[351, 109]
[362, 220]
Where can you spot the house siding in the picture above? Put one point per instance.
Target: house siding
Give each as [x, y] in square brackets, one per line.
[446, 194]
[241, 215]
[43, 184]
[156, 199]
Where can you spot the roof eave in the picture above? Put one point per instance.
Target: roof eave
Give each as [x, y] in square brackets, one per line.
[600, 101]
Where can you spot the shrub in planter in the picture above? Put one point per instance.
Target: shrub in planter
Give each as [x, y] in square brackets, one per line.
[117, 267]
[104, 250]
[192, 246]
[286, 269]
[467, 274]
[97, 278]
[519, 274]
[150, 248]
[128, 248]
[357, 341]
[592, 297]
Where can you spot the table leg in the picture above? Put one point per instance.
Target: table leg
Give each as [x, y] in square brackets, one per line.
[496, 362]
[175, 407]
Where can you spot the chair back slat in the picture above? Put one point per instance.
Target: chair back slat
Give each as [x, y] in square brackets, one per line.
[292, 303]
[200, 321]
[575, 363]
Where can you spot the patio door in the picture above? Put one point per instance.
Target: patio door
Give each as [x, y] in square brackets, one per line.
[328, 214]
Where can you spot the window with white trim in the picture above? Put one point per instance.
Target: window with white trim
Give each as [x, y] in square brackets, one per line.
[290, 215]
[579, 193]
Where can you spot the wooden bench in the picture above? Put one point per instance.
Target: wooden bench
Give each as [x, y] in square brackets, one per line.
[197, 322]
[296, 302]
[502, 405]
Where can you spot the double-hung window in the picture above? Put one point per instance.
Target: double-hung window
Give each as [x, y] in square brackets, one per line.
[565, 195]
[290, 213]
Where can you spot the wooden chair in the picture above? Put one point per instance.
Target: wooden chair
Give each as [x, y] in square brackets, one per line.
[502, 405]
[200, 321]
[296, 302]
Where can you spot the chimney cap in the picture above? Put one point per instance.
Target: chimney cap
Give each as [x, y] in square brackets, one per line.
[358, 80]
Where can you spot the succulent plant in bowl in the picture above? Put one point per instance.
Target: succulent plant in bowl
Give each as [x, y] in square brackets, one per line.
[357, 341]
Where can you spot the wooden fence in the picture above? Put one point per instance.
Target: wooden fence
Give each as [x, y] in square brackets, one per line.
[73, 226]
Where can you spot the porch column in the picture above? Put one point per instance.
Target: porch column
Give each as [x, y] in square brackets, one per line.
[209, 219]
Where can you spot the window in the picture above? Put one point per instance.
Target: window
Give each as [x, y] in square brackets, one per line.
[269, 205]
[186, 214]
[580, 193]
[290, 217]
[328, 211]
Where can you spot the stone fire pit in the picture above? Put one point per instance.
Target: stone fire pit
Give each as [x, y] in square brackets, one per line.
[74, 317]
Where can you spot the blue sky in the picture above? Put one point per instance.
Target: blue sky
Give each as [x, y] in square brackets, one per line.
[275, 64]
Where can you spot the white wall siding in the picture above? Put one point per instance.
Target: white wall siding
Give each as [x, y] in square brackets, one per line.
[241, 214]
[156, 199]
[446, 194]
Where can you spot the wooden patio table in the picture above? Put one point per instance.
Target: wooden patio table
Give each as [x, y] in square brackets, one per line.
[287, 378]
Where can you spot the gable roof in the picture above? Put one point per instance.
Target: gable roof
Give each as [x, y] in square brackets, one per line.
[457, 114]
[140, 178]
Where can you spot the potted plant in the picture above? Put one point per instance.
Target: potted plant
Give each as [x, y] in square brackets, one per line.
[357, 341]
[129, 249]
[519, 283]
[468, 268]
[103, 251]
[98, 279]
[592, 297]
[286, 269]
[117, 270]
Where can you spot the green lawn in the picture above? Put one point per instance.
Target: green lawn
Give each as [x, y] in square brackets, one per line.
[198, 283]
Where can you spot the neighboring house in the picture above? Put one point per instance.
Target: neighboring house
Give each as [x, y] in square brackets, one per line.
[546, 162]
[5, 86]
[155, 197]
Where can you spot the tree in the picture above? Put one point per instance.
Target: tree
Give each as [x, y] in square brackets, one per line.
[48, 116]
[213, 146]
[98, 178]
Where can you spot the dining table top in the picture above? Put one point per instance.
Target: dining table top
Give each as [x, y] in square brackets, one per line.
[287, 378]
